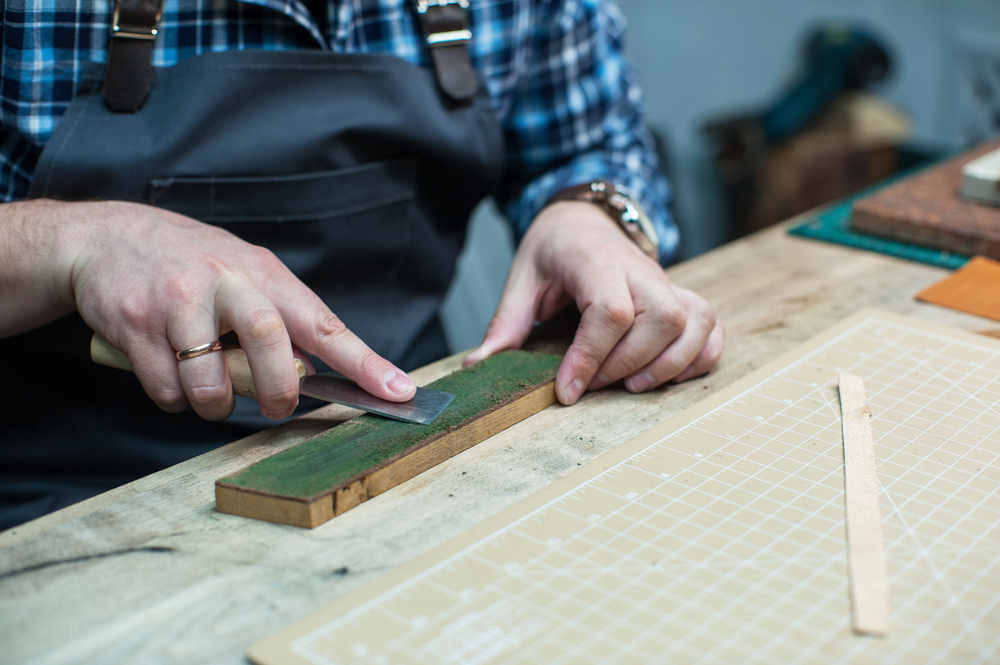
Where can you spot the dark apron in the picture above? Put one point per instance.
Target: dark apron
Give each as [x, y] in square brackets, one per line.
[354, 169]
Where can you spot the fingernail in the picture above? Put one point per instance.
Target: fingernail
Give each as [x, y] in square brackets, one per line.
[397, 382]
[639, 382]
[573, 390]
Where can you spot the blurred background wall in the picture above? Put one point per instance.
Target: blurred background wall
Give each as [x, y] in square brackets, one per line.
[699, 62]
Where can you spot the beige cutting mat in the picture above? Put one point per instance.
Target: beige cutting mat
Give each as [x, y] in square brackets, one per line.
[718, 536]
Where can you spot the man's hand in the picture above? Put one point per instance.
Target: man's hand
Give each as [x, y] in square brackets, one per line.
[152, 282]
[635, 324]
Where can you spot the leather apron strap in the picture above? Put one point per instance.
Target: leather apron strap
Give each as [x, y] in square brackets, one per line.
[129, 70]
[446, 29]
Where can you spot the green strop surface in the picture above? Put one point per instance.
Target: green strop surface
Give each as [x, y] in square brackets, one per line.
[336, 457]
[833, 224]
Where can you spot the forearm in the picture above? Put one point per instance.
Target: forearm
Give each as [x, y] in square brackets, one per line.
[578, 118]
[36, 260]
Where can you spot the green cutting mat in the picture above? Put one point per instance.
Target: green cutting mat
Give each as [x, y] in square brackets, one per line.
[833, 224]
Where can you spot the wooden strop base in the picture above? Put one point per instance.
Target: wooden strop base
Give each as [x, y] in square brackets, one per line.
[353, 462]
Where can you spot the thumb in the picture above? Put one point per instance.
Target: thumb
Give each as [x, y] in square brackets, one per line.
[513, 320]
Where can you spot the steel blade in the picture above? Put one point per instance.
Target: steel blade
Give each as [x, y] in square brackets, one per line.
[425, 406]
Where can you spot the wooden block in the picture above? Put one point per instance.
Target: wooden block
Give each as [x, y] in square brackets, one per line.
[974, 288]
[926, 209]
[865, 542]
[353, 462]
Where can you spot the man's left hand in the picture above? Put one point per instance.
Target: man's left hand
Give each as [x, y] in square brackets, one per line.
[636, 325]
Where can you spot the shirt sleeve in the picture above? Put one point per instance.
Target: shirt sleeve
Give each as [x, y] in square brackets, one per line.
[577, 117]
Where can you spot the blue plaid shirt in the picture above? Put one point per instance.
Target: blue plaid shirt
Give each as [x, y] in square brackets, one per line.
[563, 93]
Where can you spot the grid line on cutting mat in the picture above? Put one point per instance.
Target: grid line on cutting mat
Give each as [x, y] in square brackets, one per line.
[723, 540]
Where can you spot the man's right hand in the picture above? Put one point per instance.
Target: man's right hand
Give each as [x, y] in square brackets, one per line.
[153, 282]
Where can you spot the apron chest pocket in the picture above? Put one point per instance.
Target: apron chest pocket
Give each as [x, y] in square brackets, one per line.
[347, 234]
[286, 198]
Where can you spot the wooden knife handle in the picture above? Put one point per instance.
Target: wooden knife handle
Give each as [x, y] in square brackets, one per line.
[102, 353]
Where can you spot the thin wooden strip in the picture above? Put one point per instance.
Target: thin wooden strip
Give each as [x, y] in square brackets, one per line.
[866, 549]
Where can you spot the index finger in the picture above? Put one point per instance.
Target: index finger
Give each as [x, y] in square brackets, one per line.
[318, 331]
[605, 320]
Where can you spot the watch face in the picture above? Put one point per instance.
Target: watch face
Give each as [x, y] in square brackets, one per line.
[632, 213]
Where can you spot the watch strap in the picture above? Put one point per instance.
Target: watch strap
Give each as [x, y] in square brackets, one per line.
[620, 206]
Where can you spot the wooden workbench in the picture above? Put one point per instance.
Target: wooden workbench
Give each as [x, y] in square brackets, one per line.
[151, 573]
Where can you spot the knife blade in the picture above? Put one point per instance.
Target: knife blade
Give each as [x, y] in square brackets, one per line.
[425, 406]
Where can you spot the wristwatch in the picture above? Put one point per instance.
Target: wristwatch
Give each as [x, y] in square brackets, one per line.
[621, 206]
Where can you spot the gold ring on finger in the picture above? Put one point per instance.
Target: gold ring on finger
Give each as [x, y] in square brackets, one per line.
[202, 350]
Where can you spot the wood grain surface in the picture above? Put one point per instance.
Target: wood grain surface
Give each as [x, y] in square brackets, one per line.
[151, 573]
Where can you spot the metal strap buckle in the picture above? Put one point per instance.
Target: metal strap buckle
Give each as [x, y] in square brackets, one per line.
[450, 37]
[422, 5]
[129, 34]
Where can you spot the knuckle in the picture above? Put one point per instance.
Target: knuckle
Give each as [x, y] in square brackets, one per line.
[672, 367]
[670, 316]
[265, 325]
[182, 290]
[619, 314]
[264, 257]
[710, 318]
[368, 364]
[329, 328]
[134, 312]
[283, 397]
[630, 361]
[499, 323]
[712, 355]
[589, 356]
[671, 363]
[709, 361]
[169, 399]
[208, 394]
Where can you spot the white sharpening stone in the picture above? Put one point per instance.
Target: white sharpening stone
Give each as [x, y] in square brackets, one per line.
[981, 178]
